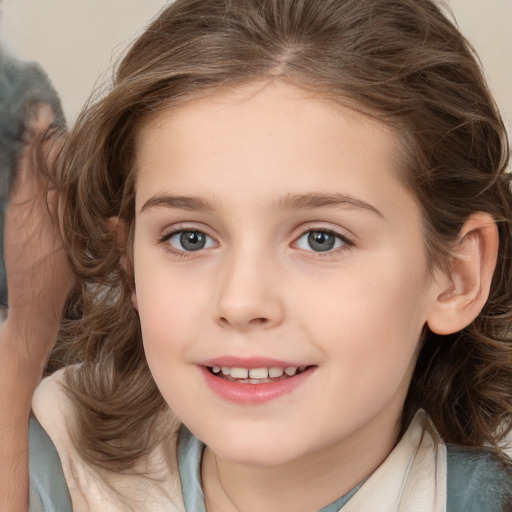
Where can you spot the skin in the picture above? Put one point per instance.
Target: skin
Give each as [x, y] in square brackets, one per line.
[257, 289]
[39, 279]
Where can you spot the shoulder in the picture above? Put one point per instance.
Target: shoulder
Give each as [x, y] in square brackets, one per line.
[48, 446]
[48, 489]
[152, 484]
[477, 481]
[53, 410]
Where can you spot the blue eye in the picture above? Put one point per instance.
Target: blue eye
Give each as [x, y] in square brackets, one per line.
[320, 241]
[189, 240]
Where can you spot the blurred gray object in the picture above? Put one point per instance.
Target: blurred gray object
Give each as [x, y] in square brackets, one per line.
[22, 87]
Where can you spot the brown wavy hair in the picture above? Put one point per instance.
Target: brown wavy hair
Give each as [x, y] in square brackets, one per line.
[400, 61]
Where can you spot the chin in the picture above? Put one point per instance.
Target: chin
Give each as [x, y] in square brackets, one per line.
[258, 451]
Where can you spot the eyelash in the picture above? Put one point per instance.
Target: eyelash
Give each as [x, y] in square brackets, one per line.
[346, 243]
[182, 254]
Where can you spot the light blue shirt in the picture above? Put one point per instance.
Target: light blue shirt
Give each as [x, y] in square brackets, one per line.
[477, 480]
[190, 452]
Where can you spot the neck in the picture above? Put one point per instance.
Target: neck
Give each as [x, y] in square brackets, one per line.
[308, 483]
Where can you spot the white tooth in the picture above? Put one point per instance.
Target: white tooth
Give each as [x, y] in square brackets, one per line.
[258, 373]
[239, 373]
[216, 369]
[291, 370]
[225, 370]
[275, 372]
[302, 368]
[254, 381]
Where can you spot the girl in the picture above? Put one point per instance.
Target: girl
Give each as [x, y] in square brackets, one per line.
[290, 221]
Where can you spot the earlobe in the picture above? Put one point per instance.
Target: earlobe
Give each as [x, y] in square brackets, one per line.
[113, 224]
[135, 304]
[464, 288]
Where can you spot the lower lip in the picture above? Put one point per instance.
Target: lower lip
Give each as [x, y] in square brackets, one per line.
[250, 394]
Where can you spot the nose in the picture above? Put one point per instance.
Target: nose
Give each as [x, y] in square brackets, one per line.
[250, 295]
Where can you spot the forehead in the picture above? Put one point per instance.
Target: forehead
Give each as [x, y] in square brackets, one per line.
[263, 140]
[268, 102]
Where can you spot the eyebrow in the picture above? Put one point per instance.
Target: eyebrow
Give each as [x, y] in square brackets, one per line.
[323, 200]
[287, 202]
[191, 203]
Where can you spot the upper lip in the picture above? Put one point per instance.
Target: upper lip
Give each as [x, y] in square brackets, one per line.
[250, 362]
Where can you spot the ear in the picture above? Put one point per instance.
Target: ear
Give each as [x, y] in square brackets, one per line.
[463, 289]
[116, 226]
[135, 304]
[121, 231]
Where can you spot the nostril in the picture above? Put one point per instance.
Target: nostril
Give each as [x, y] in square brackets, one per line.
[258, 321]
[245, 318]
[255, 322]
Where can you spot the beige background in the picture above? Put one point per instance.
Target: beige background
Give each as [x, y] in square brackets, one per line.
[77, 41]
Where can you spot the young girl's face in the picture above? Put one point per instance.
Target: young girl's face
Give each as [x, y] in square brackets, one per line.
[273, 235]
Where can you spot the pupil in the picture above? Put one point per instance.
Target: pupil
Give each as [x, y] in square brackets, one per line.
[321, 241]
[192, 240]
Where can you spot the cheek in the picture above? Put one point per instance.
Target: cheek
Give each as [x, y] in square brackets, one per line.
[163, 313]
[170, 307]
[166, 324]
[359, 300]
[368, 324]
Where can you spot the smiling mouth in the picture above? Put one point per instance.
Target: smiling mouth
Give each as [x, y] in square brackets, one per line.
[256, 375]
